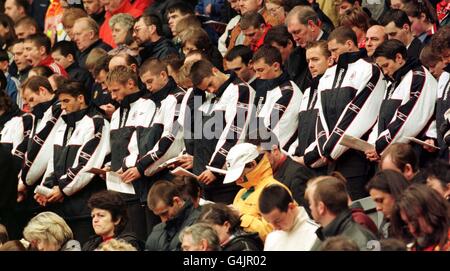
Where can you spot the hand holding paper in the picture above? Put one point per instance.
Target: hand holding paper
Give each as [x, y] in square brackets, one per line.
[114, 182]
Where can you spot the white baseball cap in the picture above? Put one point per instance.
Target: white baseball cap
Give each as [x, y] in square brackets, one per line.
[237, 158]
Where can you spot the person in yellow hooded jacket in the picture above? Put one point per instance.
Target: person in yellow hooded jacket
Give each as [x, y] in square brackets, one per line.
[251, 169]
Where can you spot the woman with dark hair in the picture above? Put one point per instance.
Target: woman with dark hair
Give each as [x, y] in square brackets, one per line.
[7, 33]
[226, 222]
[109, 218]
[423, 213]
[385, 188]
[423, 19]
[197, 39]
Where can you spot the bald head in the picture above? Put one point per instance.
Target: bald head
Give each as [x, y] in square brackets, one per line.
[374, 37]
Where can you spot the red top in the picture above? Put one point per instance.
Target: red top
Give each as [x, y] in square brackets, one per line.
[105, 30]
[255, 47]
[443, 10]
[55, 67]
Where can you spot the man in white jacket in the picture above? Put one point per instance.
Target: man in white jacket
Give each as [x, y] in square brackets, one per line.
[293, 228]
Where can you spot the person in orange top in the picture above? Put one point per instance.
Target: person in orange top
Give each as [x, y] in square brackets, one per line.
[112, 8]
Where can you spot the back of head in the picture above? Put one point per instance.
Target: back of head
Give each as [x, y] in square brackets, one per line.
[439, 170]
[153, 65]
[242, 51]
[48, 228]
[389, 49]
[13, 245]
[342, 34]
[399, 17]
[274, 197]
[112, 202]
[65, 48]
[200, 232]
[355, 17]
[93, 57]
[218, 214]
[303, 14]
[401, 154]
[441, 40]
[33, 84]
[26, 22]
[200, 70]
[269, 54]
[392, 244]
[332, 192]
[279, 35]
[189, 187]
[428, 56]
[388, 181]
[116, 245]
[121, 75]
[162, 191]
[339, 243]
[251, 19]
[74, 89]
[70, 15]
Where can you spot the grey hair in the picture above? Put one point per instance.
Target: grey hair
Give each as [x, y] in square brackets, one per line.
[122, 18]
[202, 231]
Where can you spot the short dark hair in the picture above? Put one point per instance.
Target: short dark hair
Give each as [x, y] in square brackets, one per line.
[333, 193]
[269, 53]
[112, 202]
[27, 20]
[242, 51]
[40, 39]
[342, 34]
[183, 7]
[441, 40]
[200, 70]
[401, 154]
[339, 243]
[274, 197]
[152, 19]
[440, 170]
[33, 83]
[218, 214]
[388, 181]
[390, 48]
[322, 44]
[399, 17]
[4, 55]
[65, 48]
[74, 89]
[188, 186]
[428, 56]
[101, 65]
[5, 102]
[279, 35]
[416, 8]
[163, 191]
[42, 71]
[153, 65]
[22, 3]
[250, 19]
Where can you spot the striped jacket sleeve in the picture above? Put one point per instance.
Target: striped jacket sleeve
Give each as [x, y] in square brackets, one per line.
[240, 105]
[39, 150]
[91, 154]
[418, 95]
[359, 115]
[167, 121]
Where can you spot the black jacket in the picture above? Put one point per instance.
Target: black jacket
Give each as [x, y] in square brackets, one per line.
[244, 241]
[295, 177]
[82, 56]
[297, 67]
[414, 48]
[164, 236]
[344, 225]
[81, 75]
[94, 242]
[99, 18]
[158, 49]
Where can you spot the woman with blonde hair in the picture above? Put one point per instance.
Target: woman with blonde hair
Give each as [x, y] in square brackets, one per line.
[47, 231]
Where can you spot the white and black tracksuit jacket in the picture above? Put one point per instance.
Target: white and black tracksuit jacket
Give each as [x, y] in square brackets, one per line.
[279, 114]
[232, 109]
[37, 145]
[80, 143]
[350, 96]
[408, 106]
[164, 138]
[442, 106]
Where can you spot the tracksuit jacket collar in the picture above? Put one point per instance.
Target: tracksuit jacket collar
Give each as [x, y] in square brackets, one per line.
[164, 91]
[276, 82]
[348, 58]
[129, 99]
[410, 64]
[224, 86]
[72, 118]
[39, 110]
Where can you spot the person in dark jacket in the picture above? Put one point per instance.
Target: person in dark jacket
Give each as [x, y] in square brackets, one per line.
[328, 201]
[147, 32]
[85, 43]
[298, 23]
[8, 109]
[64, 53]
[109, 219]
[226, 222]
[165, 200]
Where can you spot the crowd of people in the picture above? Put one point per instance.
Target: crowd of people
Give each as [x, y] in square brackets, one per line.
[238, 125]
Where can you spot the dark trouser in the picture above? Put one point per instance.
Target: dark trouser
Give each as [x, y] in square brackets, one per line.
[221, 193]
[140, 220]
[82, 229]
[354, 166]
